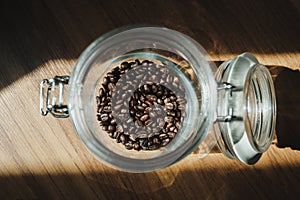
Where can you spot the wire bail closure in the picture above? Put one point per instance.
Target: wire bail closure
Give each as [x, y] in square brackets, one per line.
[54, 105]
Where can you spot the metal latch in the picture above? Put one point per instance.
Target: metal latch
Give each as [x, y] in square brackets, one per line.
[53, 104]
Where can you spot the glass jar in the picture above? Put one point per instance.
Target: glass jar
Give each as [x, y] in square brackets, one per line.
[238, 102]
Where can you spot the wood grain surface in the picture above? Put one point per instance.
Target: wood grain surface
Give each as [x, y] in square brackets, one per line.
[43, 157]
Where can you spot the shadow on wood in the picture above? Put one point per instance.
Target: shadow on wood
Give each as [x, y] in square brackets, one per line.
[208, 183]
[287, 86]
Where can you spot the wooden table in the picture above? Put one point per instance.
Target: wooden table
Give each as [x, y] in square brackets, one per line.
[43, 157]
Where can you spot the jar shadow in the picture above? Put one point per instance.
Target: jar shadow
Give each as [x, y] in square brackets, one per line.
[287, 87]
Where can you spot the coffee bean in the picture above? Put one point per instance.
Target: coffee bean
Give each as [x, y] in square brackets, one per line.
[173, 114]
[169, 119]
[178, 125]
[152, 115]
[151, 97]
[153, 147]
[163, 136]
[139, 76]
[123, 139]
[112, 79]
[105, 128]
[128, 146]
[173, 98]
[148, 122]
[148, 103]
[165, 70]
[142, 135]
[169, 106]
[104, 117]
[181, 107]
[144, 105]
[110, 128]
[107, 109]
[123, 111]
[116, 135]
[143, 143]
[105, 81]
[147, 109]
[171, 134]
[133, 137]
[159, 94]
[101, 93]
[165, 142]
[125, 66]
[113, 121]
[136, 146]
[140, 107]
[144, 118]
[155, 141]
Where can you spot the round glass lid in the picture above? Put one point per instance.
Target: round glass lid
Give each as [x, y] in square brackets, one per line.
[246, 108]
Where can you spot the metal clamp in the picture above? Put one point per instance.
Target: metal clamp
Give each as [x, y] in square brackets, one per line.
[229, 116]
[53, 104]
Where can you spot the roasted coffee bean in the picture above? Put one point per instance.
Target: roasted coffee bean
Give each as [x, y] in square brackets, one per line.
[107, 109]
[123, 139]
[110, 128]
[112, 79]
[101, 93]
[139, 114]
[147, 109]
[148, 122]
[155, 141]
[143, 143]
[171, 134]
[152, 115]
[154, 147]
[105, 81]
[144, 118]
[136, 146]
[119, 128]
[128, 146]
[163, 136]
[181, 107]
[140, 108]
[125, 66]
[148, 103]
[178, 125]
[133, 137]
[123, 111]
[151, 97]
[165, 142]
[105, 128]
[142, 135]
[169, 119]
[113, 121]
[169, 106]
[139, 123]
[173, 114]
[173, 97]
[172, 128]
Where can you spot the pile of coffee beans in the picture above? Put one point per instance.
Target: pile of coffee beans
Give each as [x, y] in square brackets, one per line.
[141, 105]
